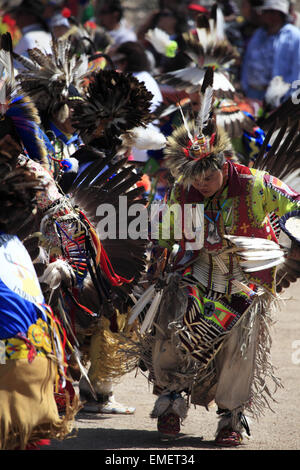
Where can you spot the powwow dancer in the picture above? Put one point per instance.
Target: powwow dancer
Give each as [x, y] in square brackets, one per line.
[81, 277]
[53, 81]
[206, 331]
[31, 338]
[111, 118]
[77, 275]
[23, 149]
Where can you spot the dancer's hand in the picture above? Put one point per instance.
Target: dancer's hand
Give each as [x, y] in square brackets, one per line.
[294, 252]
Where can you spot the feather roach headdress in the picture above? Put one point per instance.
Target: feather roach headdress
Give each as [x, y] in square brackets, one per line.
[207, 46]
[114, 103]
[19, 116]
[51, 80]
[200, 144]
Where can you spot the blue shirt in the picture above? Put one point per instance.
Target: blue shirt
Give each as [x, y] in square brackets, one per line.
[268, 56]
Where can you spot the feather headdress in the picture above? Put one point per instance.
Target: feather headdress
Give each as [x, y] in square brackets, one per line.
[53, 79]
[19, 116]
[114, 103]
[207, 46]
[197, 145]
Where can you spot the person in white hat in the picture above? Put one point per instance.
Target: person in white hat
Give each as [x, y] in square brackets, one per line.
[273, 50]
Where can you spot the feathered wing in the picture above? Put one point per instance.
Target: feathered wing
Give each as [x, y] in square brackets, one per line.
[87, 38]
[289, 111]
[91, 273]
[275, 92]
[283, 162]
[161, 41]
[19, 115]
[143, 138]
[190, 79]
[169, 106]
[283, 158]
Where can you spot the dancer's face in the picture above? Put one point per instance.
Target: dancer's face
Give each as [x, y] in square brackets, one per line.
[209, 183]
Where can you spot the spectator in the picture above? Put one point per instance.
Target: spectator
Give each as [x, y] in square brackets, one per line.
[57, 23]
[273, 50]
[195, 9]
[294, 14]
[169, 20]
[250, 22]
[174, 24]
[110, 17]
[250, 10]
[230, 10]
[130, 57]
[29, 19]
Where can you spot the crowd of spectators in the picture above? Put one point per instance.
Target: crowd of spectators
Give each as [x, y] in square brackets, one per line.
[266, 33]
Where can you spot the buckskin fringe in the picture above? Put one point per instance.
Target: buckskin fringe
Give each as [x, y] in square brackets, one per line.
[28, 409]
[264, 371]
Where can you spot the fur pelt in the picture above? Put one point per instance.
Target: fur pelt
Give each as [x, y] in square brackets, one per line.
[170, 403]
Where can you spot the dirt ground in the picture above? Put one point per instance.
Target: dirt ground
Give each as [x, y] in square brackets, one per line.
[276, 430]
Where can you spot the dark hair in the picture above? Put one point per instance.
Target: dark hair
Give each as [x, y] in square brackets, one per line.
[256, 3]
[181, 25]
[135, 56]
[7, 127]
[112, 6]
[35, 8]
